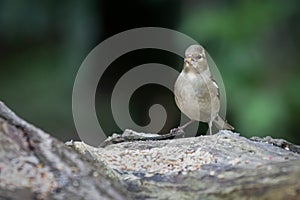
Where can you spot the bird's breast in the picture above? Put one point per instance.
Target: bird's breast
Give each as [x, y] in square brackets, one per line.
[194, 98]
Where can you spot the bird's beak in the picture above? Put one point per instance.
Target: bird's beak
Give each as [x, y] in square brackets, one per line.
[188, 60]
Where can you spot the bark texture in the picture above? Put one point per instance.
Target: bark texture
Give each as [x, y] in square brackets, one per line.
[34, 165]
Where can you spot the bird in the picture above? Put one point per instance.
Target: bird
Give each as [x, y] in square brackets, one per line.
[197, 93]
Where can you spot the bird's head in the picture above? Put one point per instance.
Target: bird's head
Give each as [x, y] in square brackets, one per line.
[195, 59]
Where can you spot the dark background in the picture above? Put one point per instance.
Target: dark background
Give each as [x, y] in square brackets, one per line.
[255, 45]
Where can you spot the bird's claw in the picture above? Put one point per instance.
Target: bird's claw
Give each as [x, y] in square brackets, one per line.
[177, 131]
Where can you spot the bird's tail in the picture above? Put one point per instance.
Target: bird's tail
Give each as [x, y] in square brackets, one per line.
[221, 124]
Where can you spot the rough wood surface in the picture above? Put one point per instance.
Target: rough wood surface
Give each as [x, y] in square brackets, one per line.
[33, 165]
[222, 166]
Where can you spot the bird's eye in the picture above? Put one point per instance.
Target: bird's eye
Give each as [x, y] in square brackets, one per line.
[198, 56]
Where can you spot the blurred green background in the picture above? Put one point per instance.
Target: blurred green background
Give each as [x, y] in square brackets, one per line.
[255, 45]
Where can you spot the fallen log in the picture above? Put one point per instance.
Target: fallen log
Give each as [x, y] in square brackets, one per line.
[34, 165]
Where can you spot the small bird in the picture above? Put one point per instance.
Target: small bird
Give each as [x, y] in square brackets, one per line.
[196, 93]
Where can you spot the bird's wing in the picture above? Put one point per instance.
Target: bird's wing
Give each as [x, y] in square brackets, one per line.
[209, 97]
[215, 87]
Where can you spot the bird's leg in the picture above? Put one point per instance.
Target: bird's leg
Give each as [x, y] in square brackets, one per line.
[180, 128]
[186, 124]
[210, 127]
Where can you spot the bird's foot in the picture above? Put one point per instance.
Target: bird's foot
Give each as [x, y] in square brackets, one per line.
[177, 131]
